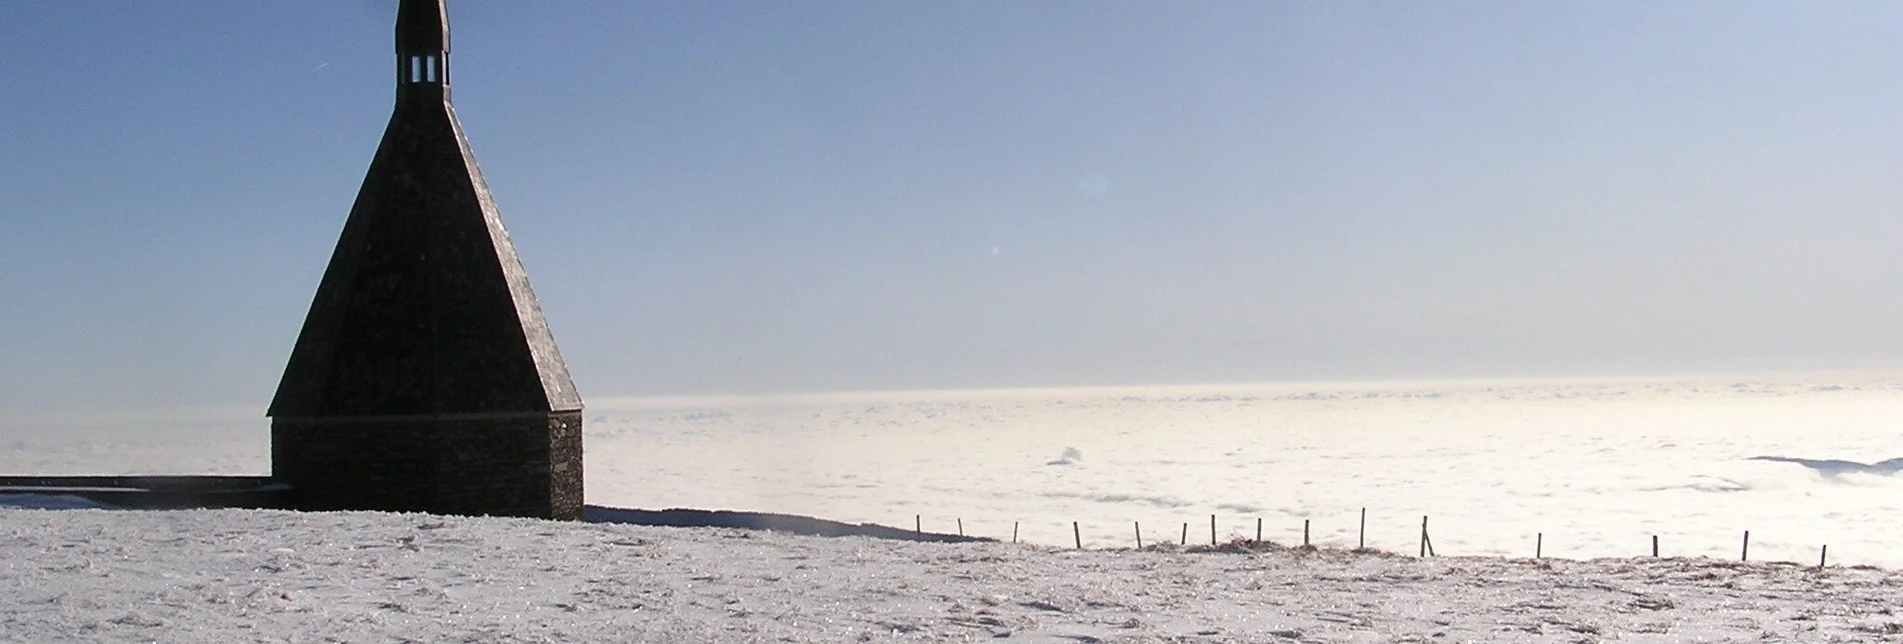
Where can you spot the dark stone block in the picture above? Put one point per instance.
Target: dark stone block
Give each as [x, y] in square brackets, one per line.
[525, 465]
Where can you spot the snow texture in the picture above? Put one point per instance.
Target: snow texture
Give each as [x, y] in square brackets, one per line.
[268, 576]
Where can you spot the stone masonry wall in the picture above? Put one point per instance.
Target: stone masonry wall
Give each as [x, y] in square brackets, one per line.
[527, 465]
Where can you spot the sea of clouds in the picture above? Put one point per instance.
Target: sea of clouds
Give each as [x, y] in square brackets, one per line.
[1588, 468]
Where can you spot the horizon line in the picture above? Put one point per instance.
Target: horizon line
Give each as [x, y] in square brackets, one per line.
[249, 412]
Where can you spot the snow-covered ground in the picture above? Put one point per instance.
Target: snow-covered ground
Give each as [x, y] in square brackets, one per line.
[265, 576]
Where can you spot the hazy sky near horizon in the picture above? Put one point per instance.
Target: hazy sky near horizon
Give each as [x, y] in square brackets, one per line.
[758, 197]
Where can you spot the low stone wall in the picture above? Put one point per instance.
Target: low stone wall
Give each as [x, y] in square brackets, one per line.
[160, 492]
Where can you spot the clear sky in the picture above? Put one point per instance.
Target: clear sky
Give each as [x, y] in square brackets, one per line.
[765, 197]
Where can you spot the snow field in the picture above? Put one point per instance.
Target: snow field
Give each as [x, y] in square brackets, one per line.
[268, 576]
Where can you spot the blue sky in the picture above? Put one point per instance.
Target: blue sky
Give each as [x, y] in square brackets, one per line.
[765, 197]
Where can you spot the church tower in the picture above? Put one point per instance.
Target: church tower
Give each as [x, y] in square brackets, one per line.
[425, 378]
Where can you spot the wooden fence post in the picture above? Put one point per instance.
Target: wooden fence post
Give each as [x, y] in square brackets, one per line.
[1077, 534]
[1304, 532]
[1361, 542]
[1744, 554]
[1139, 526]
[1423, 536]
[1427, 545]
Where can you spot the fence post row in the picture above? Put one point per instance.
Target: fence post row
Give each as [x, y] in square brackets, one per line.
[1361, 538]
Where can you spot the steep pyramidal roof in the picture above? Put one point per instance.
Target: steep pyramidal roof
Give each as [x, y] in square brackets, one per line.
[425, 308]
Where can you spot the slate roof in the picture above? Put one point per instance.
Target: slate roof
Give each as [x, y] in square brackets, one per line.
[425, 307]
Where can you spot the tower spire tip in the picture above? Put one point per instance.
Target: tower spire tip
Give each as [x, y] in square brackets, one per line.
[422, 27]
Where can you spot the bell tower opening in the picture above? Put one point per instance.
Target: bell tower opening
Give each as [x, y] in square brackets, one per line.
[428, 69]
[422, 45]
